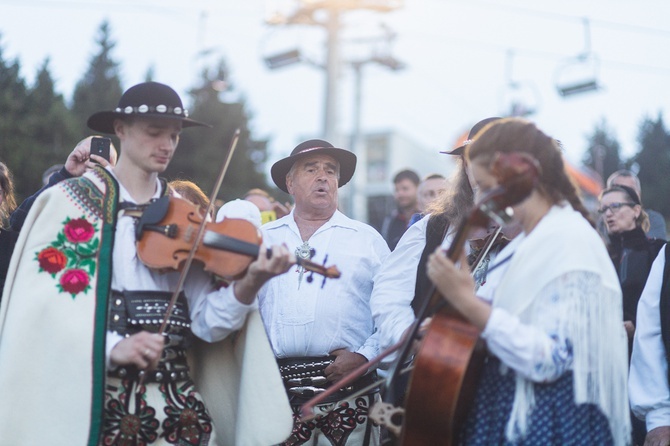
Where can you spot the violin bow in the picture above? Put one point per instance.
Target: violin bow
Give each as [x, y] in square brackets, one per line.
[307, 409]
[201, 231]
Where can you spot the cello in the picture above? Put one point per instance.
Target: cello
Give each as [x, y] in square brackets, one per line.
[446, 366]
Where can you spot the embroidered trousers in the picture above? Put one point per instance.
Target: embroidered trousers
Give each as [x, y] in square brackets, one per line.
[160, 414]
[345, 424]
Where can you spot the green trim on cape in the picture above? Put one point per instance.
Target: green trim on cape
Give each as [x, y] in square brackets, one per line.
[109, 204]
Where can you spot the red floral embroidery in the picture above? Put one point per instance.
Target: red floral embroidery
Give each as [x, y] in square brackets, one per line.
[78, 230]
[73, 254]
[51, 260]
[74, 281]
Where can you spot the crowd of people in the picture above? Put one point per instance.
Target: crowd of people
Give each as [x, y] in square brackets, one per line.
[572, 307]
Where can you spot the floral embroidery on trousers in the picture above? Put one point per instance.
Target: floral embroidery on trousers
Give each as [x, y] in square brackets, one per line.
[348, 423]
[169, 413]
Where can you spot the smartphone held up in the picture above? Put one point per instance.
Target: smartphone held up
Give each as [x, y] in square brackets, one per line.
[100, 146]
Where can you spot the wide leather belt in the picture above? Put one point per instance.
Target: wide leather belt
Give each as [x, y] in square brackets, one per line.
[304, 378]
[154, 376]
[304, 367]
[173, 367]
[133, 311]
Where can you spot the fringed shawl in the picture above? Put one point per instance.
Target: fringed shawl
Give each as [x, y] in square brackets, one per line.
[562, 244]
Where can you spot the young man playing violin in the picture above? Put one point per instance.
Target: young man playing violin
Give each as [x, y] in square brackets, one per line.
[82, 359]
[321, 330]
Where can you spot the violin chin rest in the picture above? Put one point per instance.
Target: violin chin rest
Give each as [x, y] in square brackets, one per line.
[152, 215]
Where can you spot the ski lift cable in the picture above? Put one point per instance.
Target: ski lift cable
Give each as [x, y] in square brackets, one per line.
[639, 29]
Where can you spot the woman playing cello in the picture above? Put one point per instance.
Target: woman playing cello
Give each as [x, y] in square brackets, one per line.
[550, 313]
[401, 284]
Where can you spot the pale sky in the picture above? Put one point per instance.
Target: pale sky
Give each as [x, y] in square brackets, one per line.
[457, 52]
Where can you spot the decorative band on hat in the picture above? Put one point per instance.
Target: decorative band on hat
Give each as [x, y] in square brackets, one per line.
[313, 148]
[128, 110]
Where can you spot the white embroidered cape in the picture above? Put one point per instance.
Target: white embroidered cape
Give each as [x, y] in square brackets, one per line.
[53, 327]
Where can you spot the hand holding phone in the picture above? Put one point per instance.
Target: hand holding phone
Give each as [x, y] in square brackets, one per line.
[100, 146]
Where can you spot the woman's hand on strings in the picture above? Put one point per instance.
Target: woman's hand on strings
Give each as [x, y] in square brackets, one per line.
[456, 285]
[452, 280]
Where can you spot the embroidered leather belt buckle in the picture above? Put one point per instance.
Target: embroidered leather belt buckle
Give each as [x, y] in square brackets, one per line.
[308, 381]
[306, 391]
[301, 393]
[304, 369]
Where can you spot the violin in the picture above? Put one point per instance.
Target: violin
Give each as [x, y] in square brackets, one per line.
[481, 236]
[168, 228]
[494, 240]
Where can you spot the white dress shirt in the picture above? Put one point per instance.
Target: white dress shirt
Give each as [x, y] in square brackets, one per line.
[395, 286]
[648, 382]
[308, 319]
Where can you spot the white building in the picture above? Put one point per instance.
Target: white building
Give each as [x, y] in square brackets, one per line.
[381, 156]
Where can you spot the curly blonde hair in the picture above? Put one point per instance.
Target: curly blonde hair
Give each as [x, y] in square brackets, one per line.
[8, 202]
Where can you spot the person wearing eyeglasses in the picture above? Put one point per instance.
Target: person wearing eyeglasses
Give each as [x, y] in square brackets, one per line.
[628, 178]
[632, 253]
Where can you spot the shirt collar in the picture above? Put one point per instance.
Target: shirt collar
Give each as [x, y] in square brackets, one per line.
[338, 219]
[125, 195]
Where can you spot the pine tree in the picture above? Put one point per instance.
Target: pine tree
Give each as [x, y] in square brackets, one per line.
[15, 140]
[603, 154]
[202, 152]
[100, 88]
[52, 127]
[653, 161]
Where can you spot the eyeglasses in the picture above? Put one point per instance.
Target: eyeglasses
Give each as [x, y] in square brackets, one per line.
[614, 207]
